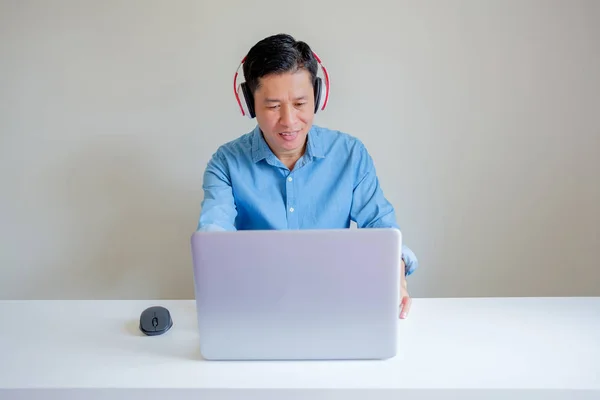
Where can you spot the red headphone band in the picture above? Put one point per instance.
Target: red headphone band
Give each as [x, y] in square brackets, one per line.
[235, 92]
[325, 73]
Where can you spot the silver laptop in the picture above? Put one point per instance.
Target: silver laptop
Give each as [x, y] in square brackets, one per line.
[297, 294]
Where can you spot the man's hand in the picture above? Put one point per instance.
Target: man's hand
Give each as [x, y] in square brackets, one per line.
[406, 300]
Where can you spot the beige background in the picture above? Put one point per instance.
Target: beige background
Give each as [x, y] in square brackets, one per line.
[482, 118]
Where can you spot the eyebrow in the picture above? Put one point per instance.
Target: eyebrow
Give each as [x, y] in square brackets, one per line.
[270, 100]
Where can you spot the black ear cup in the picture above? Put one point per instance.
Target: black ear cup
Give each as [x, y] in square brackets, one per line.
[249, 99]
[318, 90]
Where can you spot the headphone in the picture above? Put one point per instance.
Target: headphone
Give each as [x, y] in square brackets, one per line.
[245, 99]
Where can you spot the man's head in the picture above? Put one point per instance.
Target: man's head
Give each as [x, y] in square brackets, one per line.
[280, 75]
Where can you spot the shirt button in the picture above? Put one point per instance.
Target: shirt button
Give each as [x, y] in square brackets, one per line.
[290, 179]
[291, 209]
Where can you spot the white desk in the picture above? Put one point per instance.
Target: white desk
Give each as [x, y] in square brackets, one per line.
[449, 348]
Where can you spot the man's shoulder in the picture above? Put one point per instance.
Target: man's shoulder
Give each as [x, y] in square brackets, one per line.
[335, 141]
[238, 147]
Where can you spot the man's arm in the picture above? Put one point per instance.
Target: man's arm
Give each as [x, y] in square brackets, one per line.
[218, 206]
[370, 208]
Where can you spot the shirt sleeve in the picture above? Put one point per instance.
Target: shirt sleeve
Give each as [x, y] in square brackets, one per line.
[370, 208]
[218, 211]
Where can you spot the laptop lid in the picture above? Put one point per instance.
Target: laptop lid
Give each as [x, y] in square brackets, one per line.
[297, 294]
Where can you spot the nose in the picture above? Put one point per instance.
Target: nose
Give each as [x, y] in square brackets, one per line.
[287, 116]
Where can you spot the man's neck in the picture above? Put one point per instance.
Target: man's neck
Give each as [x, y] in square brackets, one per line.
[290, 159]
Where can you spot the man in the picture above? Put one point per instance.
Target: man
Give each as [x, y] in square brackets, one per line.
[288, 173]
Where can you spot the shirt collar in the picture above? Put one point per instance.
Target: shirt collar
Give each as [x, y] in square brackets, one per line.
[261, 150]
[314, 148]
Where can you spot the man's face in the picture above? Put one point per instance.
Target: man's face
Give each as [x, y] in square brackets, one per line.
[284, 106]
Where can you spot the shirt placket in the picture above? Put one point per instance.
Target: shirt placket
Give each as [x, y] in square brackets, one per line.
[291, 212]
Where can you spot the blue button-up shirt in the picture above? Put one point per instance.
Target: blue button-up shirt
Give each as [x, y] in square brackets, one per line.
[247, 187]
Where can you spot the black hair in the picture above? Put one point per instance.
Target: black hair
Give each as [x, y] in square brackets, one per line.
[278, 54]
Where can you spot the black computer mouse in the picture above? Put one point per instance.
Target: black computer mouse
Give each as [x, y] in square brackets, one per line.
[155, 321]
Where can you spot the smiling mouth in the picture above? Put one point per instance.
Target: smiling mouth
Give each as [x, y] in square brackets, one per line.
[288, 136]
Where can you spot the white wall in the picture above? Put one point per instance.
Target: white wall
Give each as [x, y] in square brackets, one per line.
[482, 117]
